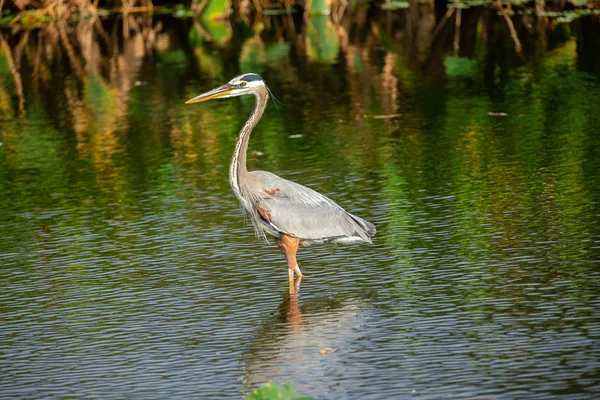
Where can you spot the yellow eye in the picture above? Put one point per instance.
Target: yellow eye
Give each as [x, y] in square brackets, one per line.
[243, 83]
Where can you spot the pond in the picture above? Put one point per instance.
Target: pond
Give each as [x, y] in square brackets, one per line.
[128, 269]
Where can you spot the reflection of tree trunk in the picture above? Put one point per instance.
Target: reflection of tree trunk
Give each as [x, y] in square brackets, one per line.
[511, 27]
[73, 59]
[357, 23]
[540, 5]
[103, 35]
[465, 29]
[442, 23]
[420, 22]
[90, 52]
[14, 63]
[587, 31]
[470, 22]
[389, 85]
[457, 32]
[337, 11]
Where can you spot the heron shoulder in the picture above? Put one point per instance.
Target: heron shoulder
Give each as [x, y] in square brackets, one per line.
[289, 191]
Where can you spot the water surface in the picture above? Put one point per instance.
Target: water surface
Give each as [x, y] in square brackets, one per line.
[129, 271]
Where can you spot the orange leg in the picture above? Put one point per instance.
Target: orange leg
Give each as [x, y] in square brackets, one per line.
[289, 246]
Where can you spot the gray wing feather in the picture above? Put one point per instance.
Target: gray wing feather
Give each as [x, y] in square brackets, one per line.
[297, 210]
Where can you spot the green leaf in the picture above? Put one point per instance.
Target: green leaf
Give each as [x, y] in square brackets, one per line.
[271, 391]
[460, 67]
[394, 5]
[322, 42]
[215, 10]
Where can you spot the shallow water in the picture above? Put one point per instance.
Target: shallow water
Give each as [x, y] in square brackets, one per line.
[128, 270]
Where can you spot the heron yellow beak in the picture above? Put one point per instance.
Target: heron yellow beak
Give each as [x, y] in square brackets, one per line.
[213, 94]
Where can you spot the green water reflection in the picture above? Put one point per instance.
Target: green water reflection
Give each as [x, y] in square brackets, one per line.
[126, 263]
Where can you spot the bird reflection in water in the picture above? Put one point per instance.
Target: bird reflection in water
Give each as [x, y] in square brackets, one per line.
[290, 307]
[287, 347]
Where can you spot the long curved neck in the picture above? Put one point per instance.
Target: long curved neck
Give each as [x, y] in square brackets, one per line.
[237, 169]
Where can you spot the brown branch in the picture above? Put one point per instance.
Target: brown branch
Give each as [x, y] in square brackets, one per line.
[138, 9]
[457, 32]
[75, 62]
[442, 23]
[511, 27]
[15, 74]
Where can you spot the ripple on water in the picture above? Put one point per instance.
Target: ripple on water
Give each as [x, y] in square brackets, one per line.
[143, 281]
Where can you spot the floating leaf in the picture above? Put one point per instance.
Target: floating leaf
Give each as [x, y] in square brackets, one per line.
[271, 391]
[386, 116]
[327, 350]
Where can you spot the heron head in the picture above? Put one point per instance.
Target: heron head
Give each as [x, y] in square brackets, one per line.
[238, 86]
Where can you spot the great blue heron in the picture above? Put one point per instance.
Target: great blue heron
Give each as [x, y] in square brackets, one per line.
[295, 215]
